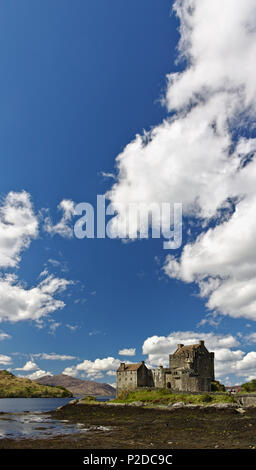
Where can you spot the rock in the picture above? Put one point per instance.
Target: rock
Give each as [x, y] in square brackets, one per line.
[115, 404]
[222, 405]
[179, 404]
[193, 405]
[241, 411]
[136, 403]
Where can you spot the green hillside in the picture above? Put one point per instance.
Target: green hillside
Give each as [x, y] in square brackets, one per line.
[16, 387]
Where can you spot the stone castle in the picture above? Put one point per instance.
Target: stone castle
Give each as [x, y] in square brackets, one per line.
[191, 369]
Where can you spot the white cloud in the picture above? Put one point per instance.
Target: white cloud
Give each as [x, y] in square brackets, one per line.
[250, 378]
[251, 338]
[4, 336]
[158, 347]
[17, 303]
[54, 262]
[192, 157]
[5, 360]
[18, 225]
[248, 364]
[72, 327]
[29, 366]
[107, 175]
[63, 227]
[93, 369]
[44, 273]
[38, 374]
[111, 373]
[56, 357]
[127, 352]
[72, 371]
[53, 327]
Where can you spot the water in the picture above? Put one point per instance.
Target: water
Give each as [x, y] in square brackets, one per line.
[105, 398]
[36, 425]
[19, 405]
[23, 418]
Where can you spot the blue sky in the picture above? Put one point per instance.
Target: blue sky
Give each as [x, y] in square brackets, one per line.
[79, 81]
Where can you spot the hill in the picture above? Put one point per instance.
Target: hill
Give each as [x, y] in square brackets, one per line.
[17, 387]
[78, 386]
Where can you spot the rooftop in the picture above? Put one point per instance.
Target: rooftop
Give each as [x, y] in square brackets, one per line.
[125, 367]
[190, 347]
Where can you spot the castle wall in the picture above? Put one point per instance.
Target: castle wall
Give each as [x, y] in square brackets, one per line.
[187, 383]
[191, 369]
[182, 360]
[200, 361]
[143, 378]
[204, 364]
[126, 381]
[158, 377]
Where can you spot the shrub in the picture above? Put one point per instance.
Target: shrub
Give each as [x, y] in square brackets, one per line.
[216, 386]
[249, 386]
[206, 398]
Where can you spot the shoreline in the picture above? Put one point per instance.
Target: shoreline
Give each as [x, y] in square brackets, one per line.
[111, 426]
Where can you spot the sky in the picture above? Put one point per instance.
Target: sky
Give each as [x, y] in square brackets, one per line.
[147, 102]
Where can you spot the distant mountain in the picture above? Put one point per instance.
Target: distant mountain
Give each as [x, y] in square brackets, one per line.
[18, 387]
[77, 386]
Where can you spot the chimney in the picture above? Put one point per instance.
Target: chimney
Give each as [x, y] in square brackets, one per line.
[122, 365]
[201, 343]
[180, 346]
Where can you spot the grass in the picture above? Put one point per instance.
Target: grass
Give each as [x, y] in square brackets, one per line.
[17, 387]
[89, 399]
[166, 397]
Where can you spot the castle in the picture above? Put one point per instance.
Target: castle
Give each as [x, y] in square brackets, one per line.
[191, 369]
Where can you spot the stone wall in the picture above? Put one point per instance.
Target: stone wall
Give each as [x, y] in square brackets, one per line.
[158, 377]
[184, 382]
[143, 378]
[199, 360]
[126, 381]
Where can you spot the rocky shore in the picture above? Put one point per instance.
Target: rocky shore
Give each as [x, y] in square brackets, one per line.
[131, 426]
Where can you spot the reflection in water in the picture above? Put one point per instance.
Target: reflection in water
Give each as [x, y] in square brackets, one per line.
[33, 425]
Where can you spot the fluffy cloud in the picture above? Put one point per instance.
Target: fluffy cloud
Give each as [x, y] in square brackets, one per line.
[63, 227]
[28, 367]
[93, 369]
[17, 303]
[158, 347]
[5, 360]
[37, 375]
[194, 158]
[223, 262]
[127, 352]
[251, 338]
[111, 373]
[72, 371]
[248, 364]
[18, 225]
